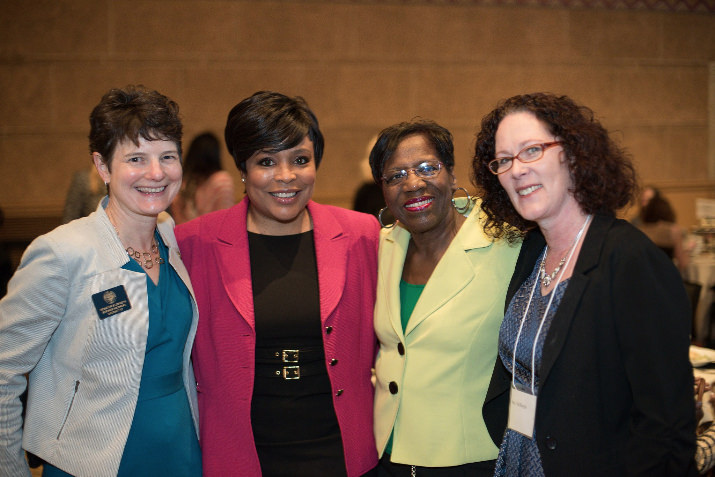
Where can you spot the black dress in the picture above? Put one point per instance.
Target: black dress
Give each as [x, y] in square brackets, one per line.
[294, 423]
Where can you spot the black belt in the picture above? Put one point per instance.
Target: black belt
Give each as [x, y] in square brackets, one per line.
[291, 371]
[272, 355]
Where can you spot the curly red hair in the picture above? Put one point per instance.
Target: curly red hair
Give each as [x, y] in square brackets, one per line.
[604, 179]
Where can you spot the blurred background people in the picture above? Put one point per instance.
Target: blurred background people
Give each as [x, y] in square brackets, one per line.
[657, 221]
[101, 316]
[441, 288]
[368, 197]
[593, 375]
[206, 186]
[286, 290]
[85, 191]
[646, 194]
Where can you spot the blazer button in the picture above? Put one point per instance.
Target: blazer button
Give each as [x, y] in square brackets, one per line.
[333, 362]
[328, 329]
[338, 392]
[393, 387]
[551, 443]
[401, 348]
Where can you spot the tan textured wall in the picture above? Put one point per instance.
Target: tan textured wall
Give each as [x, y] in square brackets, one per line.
[648, 75]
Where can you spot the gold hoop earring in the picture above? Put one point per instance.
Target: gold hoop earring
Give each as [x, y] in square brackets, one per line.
[465, 208]
[379, 219]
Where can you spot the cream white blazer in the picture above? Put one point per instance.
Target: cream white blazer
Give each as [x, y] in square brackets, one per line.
[84, 372]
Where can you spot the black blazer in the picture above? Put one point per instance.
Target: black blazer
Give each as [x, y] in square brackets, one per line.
[616, 385]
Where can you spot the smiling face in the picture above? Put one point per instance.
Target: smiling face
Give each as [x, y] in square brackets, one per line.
[420, 204]
[279, 186]
[539, 191]
[143, 179]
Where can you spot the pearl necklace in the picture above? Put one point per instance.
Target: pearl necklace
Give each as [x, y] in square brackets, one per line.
[547, 279]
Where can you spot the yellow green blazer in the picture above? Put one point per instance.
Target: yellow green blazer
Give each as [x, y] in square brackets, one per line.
[433, 378]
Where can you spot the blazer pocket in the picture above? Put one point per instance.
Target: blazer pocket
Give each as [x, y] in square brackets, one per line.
[69, 409]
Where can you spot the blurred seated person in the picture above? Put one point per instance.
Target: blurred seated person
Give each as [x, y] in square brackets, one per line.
[705, 443]
[85, 191]
[646, 194]
[206, 186]
[657, 221]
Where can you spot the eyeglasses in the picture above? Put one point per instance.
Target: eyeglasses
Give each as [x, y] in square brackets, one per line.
[529, 154]
[425, 170]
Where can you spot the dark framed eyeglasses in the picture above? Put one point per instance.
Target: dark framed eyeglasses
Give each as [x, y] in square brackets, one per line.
[424, 170]
[530, 153]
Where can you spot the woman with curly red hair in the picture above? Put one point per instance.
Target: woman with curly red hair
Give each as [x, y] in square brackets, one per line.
[593, 376]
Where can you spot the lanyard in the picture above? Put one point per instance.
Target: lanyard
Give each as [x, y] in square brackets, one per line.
[546, 312]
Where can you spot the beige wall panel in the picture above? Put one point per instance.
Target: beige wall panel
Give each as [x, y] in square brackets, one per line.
[178, 29]
[463, 94]
[53, 28]
[210, 93]
[26, 101]
[370, 95]
[235, 30]
[35, 171]
[396, 33]
[589, 84]
[79, 86]
[689, 36]
[616, 34]
[662, 95]
[668, 153]
[464, 140]
[339, 174]
[521, 34]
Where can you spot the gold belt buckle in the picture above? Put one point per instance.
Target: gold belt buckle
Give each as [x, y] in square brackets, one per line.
[291, 372]
[290, 355]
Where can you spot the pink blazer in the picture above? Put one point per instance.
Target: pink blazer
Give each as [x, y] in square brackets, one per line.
[214, 249]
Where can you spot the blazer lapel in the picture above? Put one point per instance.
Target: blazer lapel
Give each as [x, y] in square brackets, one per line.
[587, 260]
[233, 262]
[393, 250]
[165, 228]
[453, 272]
[331, 244]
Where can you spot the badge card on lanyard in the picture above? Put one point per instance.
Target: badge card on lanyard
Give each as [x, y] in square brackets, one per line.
[522, 400]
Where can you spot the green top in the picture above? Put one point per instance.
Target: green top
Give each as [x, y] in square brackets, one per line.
[409, 294]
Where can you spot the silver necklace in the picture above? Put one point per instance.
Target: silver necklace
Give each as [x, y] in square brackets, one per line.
[547, 279]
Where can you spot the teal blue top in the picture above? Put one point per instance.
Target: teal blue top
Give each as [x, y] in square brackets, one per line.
[409, 295]
[162, 439]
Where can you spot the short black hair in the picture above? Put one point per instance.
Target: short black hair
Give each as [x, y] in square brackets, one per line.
[391, 137]
[270, 121]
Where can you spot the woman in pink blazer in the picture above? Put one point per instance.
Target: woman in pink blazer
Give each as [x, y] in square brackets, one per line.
[286, 289]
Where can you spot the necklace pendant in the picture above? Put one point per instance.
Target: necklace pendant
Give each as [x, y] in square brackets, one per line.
[546, 281]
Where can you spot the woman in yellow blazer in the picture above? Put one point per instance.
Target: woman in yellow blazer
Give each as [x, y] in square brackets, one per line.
[441, 288]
